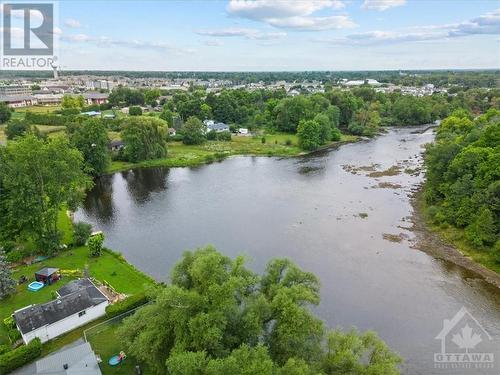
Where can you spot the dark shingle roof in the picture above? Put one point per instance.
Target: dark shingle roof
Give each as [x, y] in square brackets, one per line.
[74, 286]
[33, 317]
[80, 360]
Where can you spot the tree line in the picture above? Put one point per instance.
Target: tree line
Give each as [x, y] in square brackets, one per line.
[463, 177]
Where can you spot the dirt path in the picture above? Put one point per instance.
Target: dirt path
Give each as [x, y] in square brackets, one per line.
[433, 244]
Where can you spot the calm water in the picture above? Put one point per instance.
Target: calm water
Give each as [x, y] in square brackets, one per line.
[306, 209]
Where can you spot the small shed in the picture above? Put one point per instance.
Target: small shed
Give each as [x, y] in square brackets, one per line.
[47, 275]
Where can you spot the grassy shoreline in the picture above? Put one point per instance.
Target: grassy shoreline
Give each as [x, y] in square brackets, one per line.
[180, 155]
[453, 246]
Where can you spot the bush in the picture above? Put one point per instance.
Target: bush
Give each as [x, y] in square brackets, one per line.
[263, 140]
[20, 356]
[14, 335]
[8, 246]
[336, 134]
[82, 233]
[125, 305]
[288, 142]
[4, 349]
[135, 111]
[14, 256]
[95, 244]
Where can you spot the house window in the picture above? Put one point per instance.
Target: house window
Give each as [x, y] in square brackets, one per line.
[82, 313]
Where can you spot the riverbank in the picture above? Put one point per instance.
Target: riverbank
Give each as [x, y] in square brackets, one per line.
[180, 155]
[448, 244]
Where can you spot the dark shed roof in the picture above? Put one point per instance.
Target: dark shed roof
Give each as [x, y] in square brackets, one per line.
[31, 318]
[47, 271]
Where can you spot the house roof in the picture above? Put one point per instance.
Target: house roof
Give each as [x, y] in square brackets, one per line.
[95, 95]
[36, 316]
[15, 98]
[218, 126]
[75, 286]
[80, 360]
[47, 271]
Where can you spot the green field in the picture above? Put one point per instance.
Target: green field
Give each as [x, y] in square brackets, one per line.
[180, 155]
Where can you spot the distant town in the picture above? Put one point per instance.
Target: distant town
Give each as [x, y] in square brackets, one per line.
[23, 92]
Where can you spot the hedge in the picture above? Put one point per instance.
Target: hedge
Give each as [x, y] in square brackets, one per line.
[127, 304]
[20, 356]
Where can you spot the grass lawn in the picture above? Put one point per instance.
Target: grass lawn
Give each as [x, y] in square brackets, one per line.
[106, 344]
[180, 155]
[108, 267]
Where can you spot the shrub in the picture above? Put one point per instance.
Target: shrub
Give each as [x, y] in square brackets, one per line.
[135, 111]
[20, 356]
[14, 335]
[288, 142]
[82, 233]
[4, 349]
[95, 244]
[127, 304]
[336, 135]
[263, 140]
[14, 256]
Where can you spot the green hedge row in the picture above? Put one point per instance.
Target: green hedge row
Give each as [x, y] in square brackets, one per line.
[20, 356]
[127, 304]
[46, 119]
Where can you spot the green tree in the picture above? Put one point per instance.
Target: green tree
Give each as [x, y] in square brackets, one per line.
[168, 116]
[326, 127]
[5, 112]
[94, 244]
[151, 96]
[193, 131]
[135, 111]
[17, 128]
[309, 134]
[37, 178]
[7, 283]
[81, 233]
[91, 139]
[144, 138]
[73, 102]
[220, 318]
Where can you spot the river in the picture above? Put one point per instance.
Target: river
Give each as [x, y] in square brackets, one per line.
[313, 210]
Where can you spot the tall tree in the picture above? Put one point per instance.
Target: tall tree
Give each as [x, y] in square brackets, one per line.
[91, 138]
[5, 112]
[218, 317]
[7, 283]
[37, 178]
[193, 131]
[144, 138]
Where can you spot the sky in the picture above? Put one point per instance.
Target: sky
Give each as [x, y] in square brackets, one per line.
[277, 35]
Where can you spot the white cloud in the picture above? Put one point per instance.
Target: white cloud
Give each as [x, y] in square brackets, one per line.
[244, 33]
[382, 5]
[71, 22]
[213, 43]
[488, 24]
[293, 14]
[103, 41]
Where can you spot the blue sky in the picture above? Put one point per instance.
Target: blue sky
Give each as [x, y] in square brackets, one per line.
[239, 35]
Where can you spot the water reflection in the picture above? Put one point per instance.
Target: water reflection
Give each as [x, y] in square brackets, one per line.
[141, 183]
[99, 202]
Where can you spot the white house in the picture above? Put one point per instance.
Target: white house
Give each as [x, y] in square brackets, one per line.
[243, 131]
[79, 302]
[218, 127]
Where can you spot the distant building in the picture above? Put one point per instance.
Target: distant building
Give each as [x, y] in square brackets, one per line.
[79, 302]
[80, 359]
[48, 99]
[216, 126]
[95, 98]
[243, 131]
[17, 101]
[15, 90]
[116, 145]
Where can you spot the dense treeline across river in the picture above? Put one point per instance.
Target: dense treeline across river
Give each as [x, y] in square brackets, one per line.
[463, 180]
